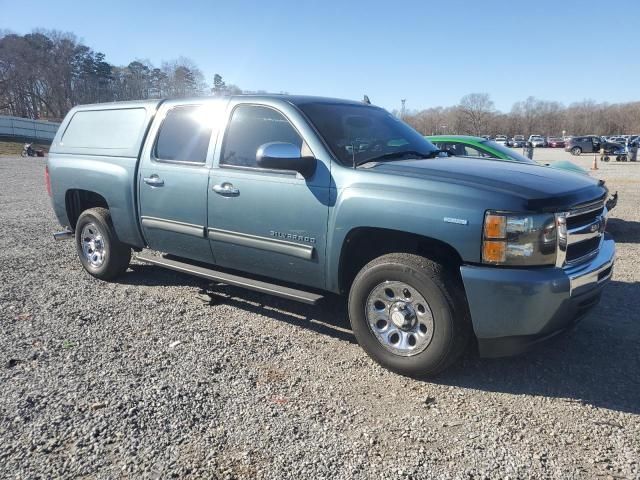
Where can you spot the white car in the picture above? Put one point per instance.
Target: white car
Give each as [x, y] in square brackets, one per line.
[537, 141]
[502, 140]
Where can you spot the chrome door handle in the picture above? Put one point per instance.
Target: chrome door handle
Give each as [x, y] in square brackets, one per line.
[154, 181]
[226, 189]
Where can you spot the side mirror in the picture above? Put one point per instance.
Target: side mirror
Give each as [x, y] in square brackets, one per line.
[285, 156]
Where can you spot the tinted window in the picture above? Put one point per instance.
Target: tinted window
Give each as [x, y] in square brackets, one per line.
[184, 136]
[362, 132]
[105, 129]
[463, 150]
[252, 126]
[475, 152]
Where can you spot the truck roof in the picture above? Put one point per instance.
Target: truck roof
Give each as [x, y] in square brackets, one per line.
[300, 99]
[126, 103]
[293, 99]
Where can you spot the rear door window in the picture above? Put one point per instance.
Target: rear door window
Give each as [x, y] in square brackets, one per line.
[184, 135]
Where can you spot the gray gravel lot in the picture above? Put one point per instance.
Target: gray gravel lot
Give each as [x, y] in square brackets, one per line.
[161, 375]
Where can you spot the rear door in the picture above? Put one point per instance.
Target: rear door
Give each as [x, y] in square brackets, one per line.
[267, 222]
[174, 176]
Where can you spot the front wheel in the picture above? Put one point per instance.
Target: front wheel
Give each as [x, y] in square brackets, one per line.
[100, 251]
[576, 151]
[409, 314]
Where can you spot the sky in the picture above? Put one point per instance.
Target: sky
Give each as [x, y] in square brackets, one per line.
[429, 53]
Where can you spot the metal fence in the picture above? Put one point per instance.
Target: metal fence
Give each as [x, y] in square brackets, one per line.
[24, 129]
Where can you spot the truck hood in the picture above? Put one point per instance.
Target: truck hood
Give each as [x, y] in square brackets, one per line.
[542, 188]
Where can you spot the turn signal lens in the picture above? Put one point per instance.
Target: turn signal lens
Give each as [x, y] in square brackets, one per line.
[495, 226]
[494, 252]
[522, 239]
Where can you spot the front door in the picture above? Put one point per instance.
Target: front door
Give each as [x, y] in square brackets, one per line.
[267, 222]
[173, 180]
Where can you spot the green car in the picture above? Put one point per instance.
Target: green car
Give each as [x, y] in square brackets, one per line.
[468, 146]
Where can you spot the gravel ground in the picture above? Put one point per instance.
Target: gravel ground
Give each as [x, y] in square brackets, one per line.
[161, 375]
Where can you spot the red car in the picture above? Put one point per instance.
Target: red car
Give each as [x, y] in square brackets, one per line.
[555, 142]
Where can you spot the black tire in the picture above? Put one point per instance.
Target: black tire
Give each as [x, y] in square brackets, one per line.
[445, 297]
[577, 151]
[116, 256]
[606, 158]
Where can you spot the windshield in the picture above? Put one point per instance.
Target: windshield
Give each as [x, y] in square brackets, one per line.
[509, 152]
[363, 133]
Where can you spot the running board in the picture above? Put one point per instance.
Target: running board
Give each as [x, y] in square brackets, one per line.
[235, 280]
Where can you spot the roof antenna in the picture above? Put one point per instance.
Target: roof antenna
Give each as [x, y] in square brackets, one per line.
[366, 100]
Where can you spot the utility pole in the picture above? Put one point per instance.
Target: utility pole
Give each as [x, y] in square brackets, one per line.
[402, 109]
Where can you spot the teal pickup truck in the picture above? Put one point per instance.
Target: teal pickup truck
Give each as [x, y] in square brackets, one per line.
[302, 197]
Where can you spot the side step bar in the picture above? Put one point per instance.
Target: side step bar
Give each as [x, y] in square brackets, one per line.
[235, 280]
[63, 235]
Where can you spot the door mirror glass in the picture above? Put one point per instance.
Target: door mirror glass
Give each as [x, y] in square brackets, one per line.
[285, 156]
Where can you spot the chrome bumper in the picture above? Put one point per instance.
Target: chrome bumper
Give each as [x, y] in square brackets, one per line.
[584, 277]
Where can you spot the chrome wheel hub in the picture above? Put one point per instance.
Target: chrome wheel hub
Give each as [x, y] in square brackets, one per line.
[400, 318]
[403, 315]
[93, 247]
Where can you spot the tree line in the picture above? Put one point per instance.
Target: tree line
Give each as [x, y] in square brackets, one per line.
[45, 73]
[476, 115]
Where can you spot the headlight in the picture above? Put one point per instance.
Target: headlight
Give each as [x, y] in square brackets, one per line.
[519, 239]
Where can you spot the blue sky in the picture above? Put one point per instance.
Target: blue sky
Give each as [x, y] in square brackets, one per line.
[431, 53]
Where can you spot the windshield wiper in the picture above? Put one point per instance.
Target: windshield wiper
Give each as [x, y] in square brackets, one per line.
[399, 156]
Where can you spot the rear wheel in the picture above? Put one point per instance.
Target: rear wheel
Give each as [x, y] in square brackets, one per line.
[409, 314]
[100, 251]
[576, 151]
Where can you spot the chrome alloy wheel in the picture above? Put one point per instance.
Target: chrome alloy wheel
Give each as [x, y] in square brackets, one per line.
[400, 318]
[93, 247]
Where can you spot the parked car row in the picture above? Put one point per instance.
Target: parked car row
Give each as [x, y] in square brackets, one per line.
[519, 141]
[621, 139]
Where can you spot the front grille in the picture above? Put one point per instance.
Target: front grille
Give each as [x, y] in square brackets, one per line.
[585, 227]
[583, 218]
[582, 249]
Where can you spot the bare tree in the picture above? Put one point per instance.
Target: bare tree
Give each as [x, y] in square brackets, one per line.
[45, 73]
[475, 115]
[475, 110]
